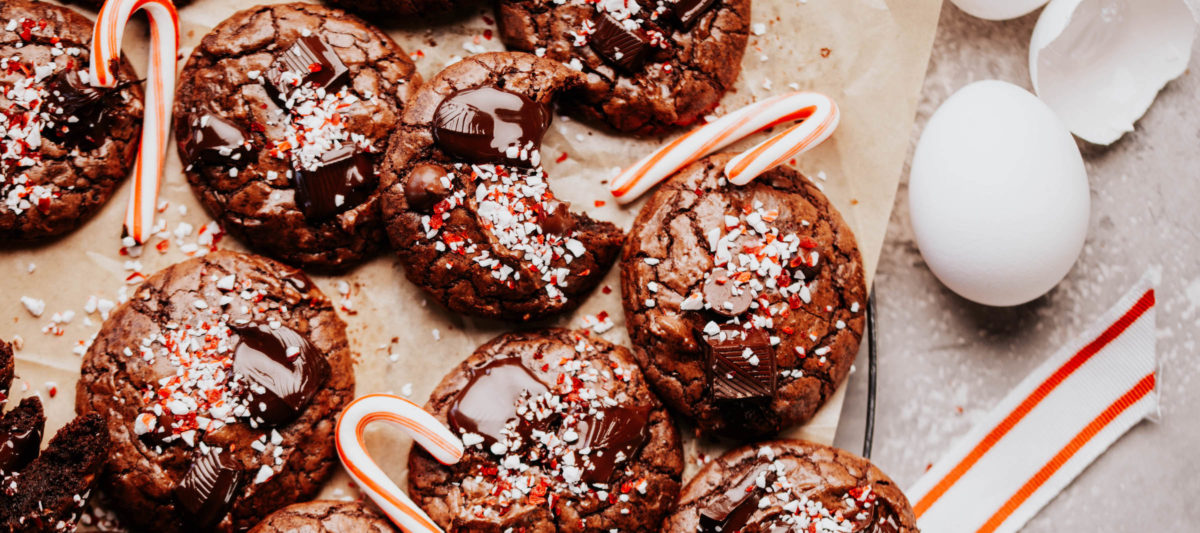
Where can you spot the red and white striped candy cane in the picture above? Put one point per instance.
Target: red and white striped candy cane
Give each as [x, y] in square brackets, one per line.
[423, 427]
[160, 93]
[819, 115]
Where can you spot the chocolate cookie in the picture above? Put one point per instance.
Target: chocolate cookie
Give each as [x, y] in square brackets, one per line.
[744, 304]
[467, 205]
[561, 435]
[791, 485]
[282, 117]
[220, 381]
[651, 65]
[64, 145]
[325, 517]
[44, 490]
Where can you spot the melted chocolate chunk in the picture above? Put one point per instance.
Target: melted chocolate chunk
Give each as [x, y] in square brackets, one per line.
[625, 48]
[20, 436]
[685, 13]
[297, 279]
[208, 488]
[490, 125]
[212, 139]
[741, 364]
[613, 439]
[558, 218]
[424, 187]
[283, 368]
[82, 114]
[309, 62]
[491, 396]
[731, 510]
[344, 179]
[719, 294]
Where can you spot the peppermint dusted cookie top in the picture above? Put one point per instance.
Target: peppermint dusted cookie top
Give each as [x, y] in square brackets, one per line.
[651, 65]
[468, 207]
[745, 304]
[64, 145]
[282, 116]
[220, 380]
[791, 485]
[561, 435]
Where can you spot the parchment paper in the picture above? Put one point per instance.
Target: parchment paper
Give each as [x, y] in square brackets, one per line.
[870, 55]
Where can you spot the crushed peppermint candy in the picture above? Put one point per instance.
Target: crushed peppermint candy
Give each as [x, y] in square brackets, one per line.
[314, 124]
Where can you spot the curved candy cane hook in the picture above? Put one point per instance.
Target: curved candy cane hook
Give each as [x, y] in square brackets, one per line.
[423, 427]
[160, 94]
[819, 115]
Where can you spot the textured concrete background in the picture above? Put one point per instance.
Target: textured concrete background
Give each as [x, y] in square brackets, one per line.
[939, 353]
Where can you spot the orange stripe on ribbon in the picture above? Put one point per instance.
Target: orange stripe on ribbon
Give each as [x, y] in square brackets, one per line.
[1134, 395]
[1045, 388]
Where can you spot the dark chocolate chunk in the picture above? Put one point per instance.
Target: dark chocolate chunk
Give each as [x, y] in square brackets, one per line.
[297, 279]
[345, 178]
[21, 435]
[212, 139]
[741, 364]
[82, 115]
[310, 62]
[424, 187]
[625, 48]
[685, 13]
[613, 439]
[731, 510]
[557, 218]
[481, 124]
[719, 293]
[284, 371]
[491, 397]
[208, 488]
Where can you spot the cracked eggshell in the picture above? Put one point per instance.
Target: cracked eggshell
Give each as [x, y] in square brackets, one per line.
[998, 9]
[1100, 63]
[998, 195]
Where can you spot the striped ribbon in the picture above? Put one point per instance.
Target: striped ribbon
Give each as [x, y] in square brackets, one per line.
[1049, 428]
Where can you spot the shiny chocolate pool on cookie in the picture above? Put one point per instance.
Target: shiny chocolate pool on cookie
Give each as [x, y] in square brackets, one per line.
[561, 435]
[791, 485]
[744, 303]
[468, 206]
[220, 381]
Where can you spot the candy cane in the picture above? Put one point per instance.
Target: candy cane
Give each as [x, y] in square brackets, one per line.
[819, 115]
[160, 92]
[423, 428]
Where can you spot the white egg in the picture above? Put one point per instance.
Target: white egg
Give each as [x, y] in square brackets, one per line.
[1100, 63]
[998, 195]
[998, 9]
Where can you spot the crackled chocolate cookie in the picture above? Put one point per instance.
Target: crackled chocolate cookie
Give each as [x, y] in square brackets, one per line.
[64, 145]
[651, 65]
[220, 381]
[325, 517]
[467, 205]
[561, 434]
[282, 117]
[44, 490]
[791, 485]
[744, 304]
[422, 9]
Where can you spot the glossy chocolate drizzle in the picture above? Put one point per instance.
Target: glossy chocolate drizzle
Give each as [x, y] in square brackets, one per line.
[71, 97]
[491, 396]
[613, 438]
[344, 179]
[284, 371]
[209, 487]
[212, 139]
[314, 60]
[490, 125]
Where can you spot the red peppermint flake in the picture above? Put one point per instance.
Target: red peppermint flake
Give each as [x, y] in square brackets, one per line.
[561, 158]
[162, 246]
[487, 34]
[600, 203]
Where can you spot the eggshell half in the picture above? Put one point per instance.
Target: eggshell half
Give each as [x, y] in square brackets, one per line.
[1099, 64]
[998, 9]
[998, 195]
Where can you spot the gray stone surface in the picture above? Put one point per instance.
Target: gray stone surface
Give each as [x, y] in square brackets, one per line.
[944, 361]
